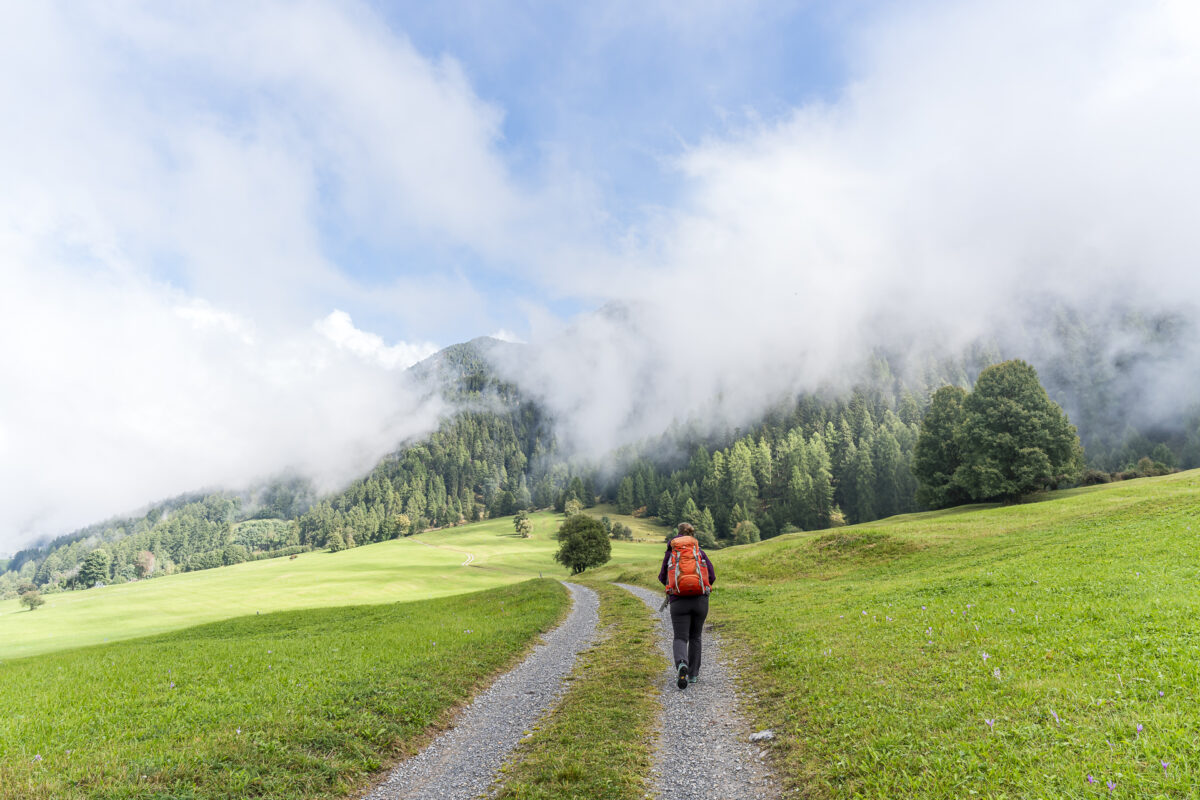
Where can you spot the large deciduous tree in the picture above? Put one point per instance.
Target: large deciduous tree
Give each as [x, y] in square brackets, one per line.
[582, 543]
[1013, 438]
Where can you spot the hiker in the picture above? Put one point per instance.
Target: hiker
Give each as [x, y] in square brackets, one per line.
[688, 575]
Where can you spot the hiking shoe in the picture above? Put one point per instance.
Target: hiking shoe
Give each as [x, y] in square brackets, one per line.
[693, 678]
[682, 682]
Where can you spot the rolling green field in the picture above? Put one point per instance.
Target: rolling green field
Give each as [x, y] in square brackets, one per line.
[991, 652]
[414, 568]
[296, 704]
[1049, 649]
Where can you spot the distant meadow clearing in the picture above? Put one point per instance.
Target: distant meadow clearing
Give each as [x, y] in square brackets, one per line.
[413, 568]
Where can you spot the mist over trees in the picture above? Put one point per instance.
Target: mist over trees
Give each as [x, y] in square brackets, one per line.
[823, 458]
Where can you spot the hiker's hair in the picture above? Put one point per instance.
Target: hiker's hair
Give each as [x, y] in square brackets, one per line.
[685, 529]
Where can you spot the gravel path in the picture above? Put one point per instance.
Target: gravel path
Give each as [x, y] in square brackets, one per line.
[703, 728]
[462, 763]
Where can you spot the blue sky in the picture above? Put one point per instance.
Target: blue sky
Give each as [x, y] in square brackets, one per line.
[614, 93]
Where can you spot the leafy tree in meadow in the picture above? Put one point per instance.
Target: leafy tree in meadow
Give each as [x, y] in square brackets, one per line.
[582, 543]
[32, 599]
[746, 533]
[936, 456]
[336, 542]
[1013, 438]
[573, 507]
[523, 524]
[94, 569]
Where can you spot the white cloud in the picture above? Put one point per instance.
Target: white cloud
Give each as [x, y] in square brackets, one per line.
[116, 399]
[988, 156]
[506, 335]
[339, 328]
[170, 175]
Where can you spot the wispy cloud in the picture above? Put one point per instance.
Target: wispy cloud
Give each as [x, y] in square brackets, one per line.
[339, 328]
[987, 158]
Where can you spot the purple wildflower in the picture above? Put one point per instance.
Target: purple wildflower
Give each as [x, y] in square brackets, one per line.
[1111, 785]
[1091, 779]
[239, 730]
[37, 757]
[1165, 764]
[986, 656]
[172, 686]
[990, 722]
[922, 608]
[1160, 694]
[1054, 714]
[1139, 727]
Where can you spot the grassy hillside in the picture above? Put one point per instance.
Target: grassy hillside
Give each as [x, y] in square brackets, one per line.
[430, 565]
[1004, 651]
[294, 704]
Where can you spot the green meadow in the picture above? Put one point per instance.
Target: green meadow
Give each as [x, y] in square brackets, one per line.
[1047, 649]
[413, 568]
[1040, 650]
[295, 704]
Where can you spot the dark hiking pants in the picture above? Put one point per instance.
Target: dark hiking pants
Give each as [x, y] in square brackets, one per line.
[687, 618]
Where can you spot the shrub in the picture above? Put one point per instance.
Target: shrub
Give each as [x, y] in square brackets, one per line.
[32, 600]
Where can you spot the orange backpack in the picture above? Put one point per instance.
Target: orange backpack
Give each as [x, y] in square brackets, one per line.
[686, 573]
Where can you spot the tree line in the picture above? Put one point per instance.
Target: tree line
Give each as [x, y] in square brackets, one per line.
[816, 461]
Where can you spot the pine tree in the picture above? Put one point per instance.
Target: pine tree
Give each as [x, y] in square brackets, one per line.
[936, 455]
[863, 476]
[625, 496]
[666, 507]
[743, 489]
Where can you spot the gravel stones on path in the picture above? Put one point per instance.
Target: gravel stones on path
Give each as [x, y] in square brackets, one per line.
[704, 751]
[462, 763]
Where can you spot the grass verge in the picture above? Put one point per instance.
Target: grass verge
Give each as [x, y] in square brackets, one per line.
[598, 742]
[1040, 650]
[301, 704]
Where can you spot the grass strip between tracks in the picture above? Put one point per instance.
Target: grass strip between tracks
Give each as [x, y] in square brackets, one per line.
[598, 742]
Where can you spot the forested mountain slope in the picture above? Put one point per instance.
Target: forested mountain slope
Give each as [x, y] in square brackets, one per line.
[821, 458]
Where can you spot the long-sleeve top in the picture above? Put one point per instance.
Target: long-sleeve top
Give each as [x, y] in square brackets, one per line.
[662, 573]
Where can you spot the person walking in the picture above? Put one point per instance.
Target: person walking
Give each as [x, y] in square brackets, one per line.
[688, 576]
